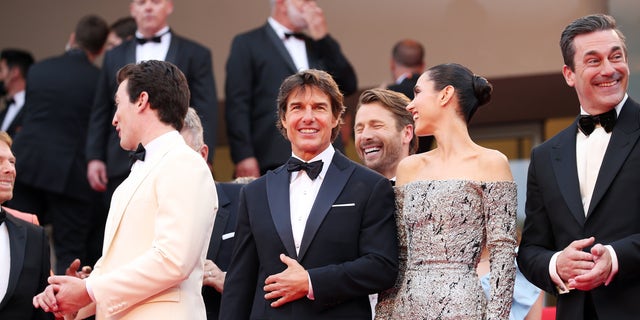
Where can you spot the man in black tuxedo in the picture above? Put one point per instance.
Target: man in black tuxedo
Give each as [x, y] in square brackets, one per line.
[14, 65]
[582, 229]
[108, 163]
[316, 235]
[258, 62]
[50, 145]
[24, 251]
[407, 65]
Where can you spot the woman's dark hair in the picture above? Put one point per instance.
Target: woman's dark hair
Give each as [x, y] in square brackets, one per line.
[472, 90]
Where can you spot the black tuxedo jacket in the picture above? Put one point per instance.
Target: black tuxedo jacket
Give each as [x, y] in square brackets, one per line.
[16, 123]
[191, 58]
[555, 216]
[29, 270]
[349, 246]
[257, 65]
[220, 249]
[50, 145]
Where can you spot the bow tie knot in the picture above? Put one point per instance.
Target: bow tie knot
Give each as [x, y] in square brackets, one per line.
[10, 101]
[297, 35]
[139, 154]
[312, 168]
[587, 123]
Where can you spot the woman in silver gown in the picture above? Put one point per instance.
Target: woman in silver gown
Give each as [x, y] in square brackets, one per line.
[452, 201]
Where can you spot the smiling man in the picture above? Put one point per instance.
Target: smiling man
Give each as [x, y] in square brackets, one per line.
[582, 229]
[317, 235]
[384, 130]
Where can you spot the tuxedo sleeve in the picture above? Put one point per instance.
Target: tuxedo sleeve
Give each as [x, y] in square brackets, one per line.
[537, 245]
[239, 99]
[336, 64]
[203, 95]
[377, 266]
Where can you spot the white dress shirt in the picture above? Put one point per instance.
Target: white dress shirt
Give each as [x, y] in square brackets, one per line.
[303, 192]
[153, 50]
[13, 109]
[296, 47]
[5, 259]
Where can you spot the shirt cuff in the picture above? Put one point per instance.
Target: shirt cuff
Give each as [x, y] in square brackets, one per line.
[87, 285]
[553, 273]
[310, 293]
[614, 264]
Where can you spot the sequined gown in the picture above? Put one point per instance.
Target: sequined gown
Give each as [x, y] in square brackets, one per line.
[442, 226]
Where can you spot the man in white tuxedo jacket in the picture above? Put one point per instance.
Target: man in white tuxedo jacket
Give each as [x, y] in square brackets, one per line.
[160, 218]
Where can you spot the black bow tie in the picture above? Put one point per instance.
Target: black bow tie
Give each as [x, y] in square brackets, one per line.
[3, 215]
[137, 155]
[587, 123]
[156, 39]
[297, 35]
[312, 168]
[10, 101]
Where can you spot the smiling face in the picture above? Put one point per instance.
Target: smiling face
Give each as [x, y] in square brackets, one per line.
[7, 172]
[380, 144]
[601, 72]
[424, 105]
[308, 121]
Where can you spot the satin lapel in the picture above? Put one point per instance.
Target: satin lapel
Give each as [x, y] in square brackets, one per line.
[280, 48]
[123, 195]
[335, 180]
[173, 49]
[563, 160]
[623, 139]
[220, 223]
[278, 198]
[18, 248]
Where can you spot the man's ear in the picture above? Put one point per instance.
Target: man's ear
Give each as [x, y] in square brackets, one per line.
[569, 75]
[143, 101]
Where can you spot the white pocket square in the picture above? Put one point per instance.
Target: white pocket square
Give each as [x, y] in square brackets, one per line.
[228, 235]
[337, 205]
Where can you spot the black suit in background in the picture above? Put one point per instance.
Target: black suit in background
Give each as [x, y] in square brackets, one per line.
[52, 180]
[191, 58]
[220, 249]
[349, 246]
[16, 123]
[257, 65]
[555, 216]
[30, 265]
[406, 87]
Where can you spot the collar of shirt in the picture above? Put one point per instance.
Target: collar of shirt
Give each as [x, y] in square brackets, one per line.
[164, 32]
[19, 98]
[618, 106]
[280, 29]
[326, 156]
[152, 153]
[154, 50]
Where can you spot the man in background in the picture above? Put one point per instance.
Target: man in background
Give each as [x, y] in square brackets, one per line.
[121, 30]
[14, 65]
[407, 64]
[50, 145]
[108, 163]
[295, 38]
